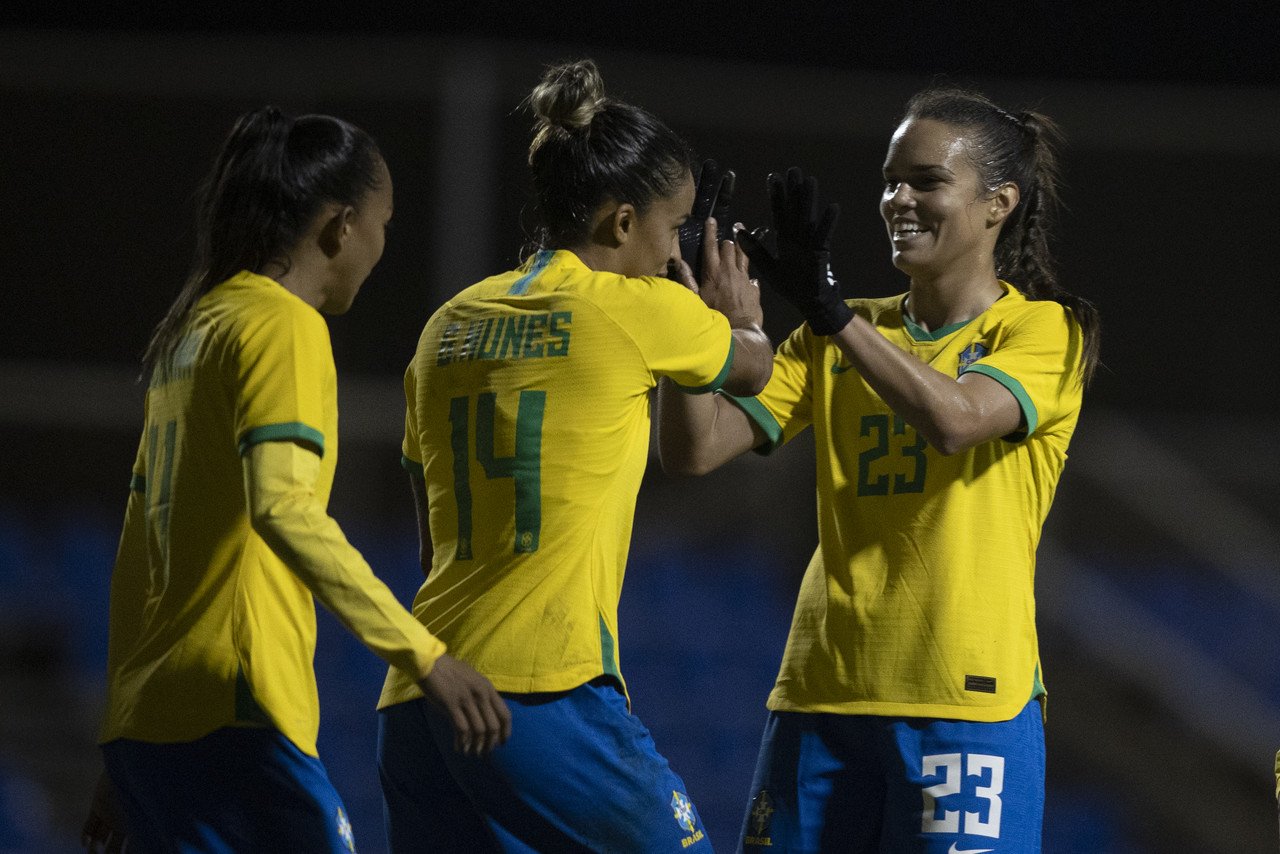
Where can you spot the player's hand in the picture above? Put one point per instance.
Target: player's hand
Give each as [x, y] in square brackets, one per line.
[726, 285]
[711, 199]
[103, 831]
[800, 268]
[480, 717]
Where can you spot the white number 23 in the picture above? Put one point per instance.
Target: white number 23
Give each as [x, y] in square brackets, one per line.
[948, 765]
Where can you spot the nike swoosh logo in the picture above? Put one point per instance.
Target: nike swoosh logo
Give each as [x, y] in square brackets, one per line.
[954, 850]
[838, 368]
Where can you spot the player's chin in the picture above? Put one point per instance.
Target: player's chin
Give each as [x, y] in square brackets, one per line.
[339, 304]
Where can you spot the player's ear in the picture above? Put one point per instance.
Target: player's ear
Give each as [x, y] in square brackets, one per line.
[615, 223]
[1001, 203]
[624, 222]
[335, 228]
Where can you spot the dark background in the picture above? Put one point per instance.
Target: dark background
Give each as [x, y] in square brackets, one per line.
[1157, 581]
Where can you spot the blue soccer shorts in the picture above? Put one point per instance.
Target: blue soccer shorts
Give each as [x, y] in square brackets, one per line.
[579, 773]
[865, 784]
[236, 789]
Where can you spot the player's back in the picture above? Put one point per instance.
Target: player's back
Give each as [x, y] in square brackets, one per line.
[529, 412]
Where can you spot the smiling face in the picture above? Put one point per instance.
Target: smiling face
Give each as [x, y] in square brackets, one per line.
[652, 237]
[939, 216]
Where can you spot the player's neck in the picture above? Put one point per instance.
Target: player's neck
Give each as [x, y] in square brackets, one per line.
[936, 302]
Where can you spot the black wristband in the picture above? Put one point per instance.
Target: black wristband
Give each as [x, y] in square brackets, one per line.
[828, 318]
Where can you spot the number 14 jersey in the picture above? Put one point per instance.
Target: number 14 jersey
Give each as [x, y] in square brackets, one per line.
[528, 416]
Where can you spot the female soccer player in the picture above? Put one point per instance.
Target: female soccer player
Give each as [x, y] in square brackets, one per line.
[526, 435]
[211, 718]
[904, 717]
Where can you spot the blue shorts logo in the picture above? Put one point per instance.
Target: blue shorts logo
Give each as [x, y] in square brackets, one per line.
[683, 809]
[344, 831]
[758, 821]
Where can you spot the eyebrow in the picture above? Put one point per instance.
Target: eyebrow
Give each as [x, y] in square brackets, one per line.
[920, 167]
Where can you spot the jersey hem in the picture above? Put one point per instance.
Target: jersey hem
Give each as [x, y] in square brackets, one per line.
[978, 714]
[400, 689]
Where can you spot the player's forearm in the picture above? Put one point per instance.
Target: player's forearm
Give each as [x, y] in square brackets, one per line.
[286, 514]
[752, 362]
[698, 433]
[950, 416]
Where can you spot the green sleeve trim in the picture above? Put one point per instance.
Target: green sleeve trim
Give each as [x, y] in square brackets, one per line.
[138, 483]
[291, 431]
[716, 383]
[413, 467]
[755, 410]
[1029, 415]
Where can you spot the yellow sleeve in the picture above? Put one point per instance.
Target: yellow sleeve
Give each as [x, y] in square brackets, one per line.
[1038, 359]
[677, 334]
[130, 575]
[279, 479]
[784, 408]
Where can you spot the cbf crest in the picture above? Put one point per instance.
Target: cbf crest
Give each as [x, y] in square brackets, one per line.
[344, 831]
[971, 354]
[758, 820]
[682, 808]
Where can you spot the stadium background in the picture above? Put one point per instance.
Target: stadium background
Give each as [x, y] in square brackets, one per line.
[1158, 589]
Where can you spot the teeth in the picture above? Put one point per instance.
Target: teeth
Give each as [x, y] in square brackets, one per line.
[907, 230]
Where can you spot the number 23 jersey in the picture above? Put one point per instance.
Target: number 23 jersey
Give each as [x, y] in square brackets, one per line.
[919, 599]
[528, 413]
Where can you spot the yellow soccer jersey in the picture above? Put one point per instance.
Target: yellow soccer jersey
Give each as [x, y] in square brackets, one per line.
[208, 627]
[918, 601]
[528, 412]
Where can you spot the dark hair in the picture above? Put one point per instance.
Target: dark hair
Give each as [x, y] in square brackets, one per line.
[1021, 149]
[269, 181]
[587, 148]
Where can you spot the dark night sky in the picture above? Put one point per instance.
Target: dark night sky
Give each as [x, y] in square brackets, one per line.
[1170, 42]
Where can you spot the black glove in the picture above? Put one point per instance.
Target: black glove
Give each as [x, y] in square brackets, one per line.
[800, 268]
[712, 198]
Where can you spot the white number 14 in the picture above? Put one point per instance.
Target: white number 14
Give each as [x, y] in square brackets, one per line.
[949, 766]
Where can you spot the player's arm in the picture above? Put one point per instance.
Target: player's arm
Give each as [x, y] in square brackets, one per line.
[726, 287]
[953, 415]
[418, 486]
[279, 480]
[698, 433]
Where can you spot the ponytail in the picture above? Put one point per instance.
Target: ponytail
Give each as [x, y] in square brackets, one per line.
[270, 179]
[588, 147]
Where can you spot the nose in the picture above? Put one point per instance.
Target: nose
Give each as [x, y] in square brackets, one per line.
[901, 198]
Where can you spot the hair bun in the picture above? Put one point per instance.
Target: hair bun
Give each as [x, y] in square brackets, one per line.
[569, 95]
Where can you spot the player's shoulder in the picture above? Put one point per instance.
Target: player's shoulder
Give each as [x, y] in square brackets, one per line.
[1015, 307]
[879, 310]
[258, 312]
